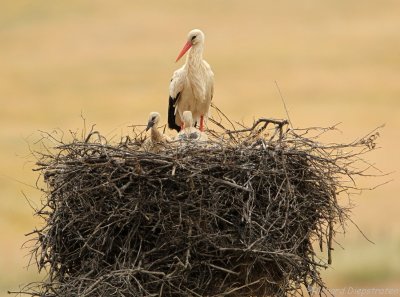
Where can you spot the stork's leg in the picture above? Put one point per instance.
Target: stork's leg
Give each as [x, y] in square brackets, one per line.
[182, 126]
[201, 123]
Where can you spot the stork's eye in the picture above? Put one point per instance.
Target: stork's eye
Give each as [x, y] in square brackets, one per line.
[193, 37]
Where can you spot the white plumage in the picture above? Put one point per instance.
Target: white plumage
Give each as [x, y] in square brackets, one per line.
[192, 85]
[189, 132]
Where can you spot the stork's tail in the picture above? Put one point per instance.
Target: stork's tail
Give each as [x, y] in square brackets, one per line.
[171, 115]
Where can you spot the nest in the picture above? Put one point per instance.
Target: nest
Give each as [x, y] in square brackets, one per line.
[240, 215]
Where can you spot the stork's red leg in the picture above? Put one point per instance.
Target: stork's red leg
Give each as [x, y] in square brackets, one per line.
[201, 123]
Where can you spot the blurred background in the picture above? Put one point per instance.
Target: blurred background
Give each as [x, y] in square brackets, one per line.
[335, 61]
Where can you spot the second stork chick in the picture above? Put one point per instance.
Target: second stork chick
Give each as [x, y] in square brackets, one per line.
[189, 132]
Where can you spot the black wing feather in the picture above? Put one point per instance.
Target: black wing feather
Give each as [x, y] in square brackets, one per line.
[171, 113]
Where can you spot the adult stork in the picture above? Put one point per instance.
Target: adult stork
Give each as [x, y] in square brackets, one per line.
[192, 85]
[189, 132]
[157, 140]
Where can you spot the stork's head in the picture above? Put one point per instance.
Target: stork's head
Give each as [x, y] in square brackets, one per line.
[187, 118]
[195, 37]
[154, 118]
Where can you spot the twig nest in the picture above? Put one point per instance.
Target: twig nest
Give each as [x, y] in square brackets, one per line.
[235, 217]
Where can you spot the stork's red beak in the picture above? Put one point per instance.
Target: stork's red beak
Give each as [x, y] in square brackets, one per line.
[187, 46]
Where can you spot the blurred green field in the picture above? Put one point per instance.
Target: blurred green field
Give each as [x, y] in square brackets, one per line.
[335, 61]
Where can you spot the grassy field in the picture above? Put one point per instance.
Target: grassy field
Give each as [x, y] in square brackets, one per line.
[335, 61]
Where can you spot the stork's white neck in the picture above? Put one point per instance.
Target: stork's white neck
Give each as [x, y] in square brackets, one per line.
[188, 124]
[195, 56]
[155, 134]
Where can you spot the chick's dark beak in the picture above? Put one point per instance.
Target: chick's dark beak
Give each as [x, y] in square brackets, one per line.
[149, 125]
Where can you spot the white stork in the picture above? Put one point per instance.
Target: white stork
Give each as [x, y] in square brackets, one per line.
[189, 132]
[192, 85]
[157, 140]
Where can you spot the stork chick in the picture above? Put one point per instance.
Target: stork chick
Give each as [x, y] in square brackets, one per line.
[192, 85]
[189, 132]
[157, 140]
